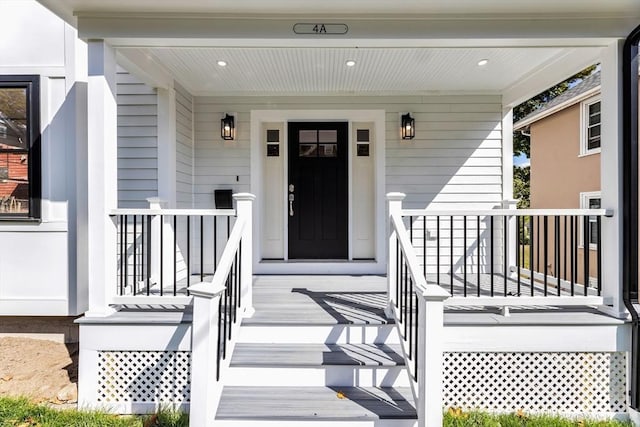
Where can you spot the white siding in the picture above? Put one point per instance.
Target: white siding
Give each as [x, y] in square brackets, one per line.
[455, 158]
[184, 147]
[137, 141]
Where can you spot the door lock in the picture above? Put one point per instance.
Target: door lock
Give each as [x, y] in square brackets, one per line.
[291, 188]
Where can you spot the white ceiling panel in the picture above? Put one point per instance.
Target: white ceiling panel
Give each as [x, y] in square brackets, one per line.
[263, 71]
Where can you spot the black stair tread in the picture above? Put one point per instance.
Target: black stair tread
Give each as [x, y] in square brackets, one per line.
[254, 354]
[316, 403]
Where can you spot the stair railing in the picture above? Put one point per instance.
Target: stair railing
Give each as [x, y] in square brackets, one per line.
[217, 308]
[418, 309]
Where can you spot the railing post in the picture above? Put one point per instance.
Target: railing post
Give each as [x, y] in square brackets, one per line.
[204, 341]
[395, 207]
[430, 349]
[511, 236]
[244, 208]
[154, 249]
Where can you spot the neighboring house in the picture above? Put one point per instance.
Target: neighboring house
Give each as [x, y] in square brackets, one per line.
[565, 138]
[143, 117]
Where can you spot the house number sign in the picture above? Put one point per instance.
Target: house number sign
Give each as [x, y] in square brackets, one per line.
[318, 28]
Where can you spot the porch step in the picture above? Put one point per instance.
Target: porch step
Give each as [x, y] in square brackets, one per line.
[302, 333]
[346, 365]
[316, 406]
[284, 355]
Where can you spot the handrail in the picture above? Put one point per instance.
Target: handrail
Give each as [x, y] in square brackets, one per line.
[227, 258]
[172, 212]
[508, 212]
[409, 250]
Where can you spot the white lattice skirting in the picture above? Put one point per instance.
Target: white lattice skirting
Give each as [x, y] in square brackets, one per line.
[144, 376]
[536, 382]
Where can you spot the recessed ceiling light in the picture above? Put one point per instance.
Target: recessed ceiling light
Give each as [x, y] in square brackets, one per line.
[350, 63]
[222, 63]
[483, 62]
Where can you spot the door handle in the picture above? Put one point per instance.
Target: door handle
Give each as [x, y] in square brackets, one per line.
[291, 198]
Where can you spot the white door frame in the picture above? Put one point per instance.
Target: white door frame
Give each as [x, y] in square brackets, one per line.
[376, 266]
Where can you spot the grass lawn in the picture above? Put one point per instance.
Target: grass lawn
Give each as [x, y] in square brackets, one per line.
[456, 418]
[22, 413]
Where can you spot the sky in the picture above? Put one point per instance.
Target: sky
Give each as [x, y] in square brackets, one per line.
[521, 160]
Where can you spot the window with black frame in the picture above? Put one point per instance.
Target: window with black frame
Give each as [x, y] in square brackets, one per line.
[19, 147]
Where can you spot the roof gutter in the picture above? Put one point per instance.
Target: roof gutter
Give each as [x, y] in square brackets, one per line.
[630, 203]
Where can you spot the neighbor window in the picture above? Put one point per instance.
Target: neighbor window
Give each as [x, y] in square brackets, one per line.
[591, 127]
[591, 200]
[19, 147]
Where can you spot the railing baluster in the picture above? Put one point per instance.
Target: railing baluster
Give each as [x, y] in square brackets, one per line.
[451, 253]
[417, 328]
[215, 243]
[478, 248]
[175, 256]
[491, 260]
[556, 249]
[123, 254]
[424, 246]
[135, 252]
[564, 247]
[220, 340]
[201, 248]
[519, 230]
[599, 254]
[409, 321]
[505, 245]
[573, 254]
[437, 249]
[161, 255]
[464, 253]
[148, 241]
[585, 253]
[545, 224]
[240, 274]
[188, 218]
[531, 244]
[398, 272]
[538, 244]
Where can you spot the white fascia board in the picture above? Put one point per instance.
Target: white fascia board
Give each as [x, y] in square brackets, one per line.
[522, 124]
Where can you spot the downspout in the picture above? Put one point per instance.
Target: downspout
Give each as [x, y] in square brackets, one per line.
[630, 204]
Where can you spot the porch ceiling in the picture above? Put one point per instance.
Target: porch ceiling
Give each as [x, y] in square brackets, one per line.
[379, 71]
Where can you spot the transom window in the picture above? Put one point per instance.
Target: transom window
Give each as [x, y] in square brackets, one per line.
[591, 127]
[19, 147]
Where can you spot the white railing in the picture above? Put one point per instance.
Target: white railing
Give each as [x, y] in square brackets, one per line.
[217, 308]
[418, 309]
[161, 252]
[481, 258]
[504, 257]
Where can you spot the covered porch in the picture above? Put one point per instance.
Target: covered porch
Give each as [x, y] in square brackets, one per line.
[432, 212]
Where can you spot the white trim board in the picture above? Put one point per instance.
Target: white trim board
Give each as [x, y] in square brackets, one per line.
[257, 117]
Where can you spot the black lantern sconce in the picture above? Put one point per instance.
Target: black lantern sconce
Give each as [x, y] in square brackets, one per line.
[408, 129]
[227, 128]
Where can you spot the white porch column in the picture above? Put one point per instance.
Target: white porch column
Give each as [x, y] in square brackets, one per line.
[395, 207]
[167, 146]
[244, 209]
[102, 176]
[611, 177]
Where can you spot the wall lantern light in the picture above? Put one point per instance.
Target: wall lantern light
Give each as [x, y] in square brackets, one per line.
[408, 129]
[227, 128]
